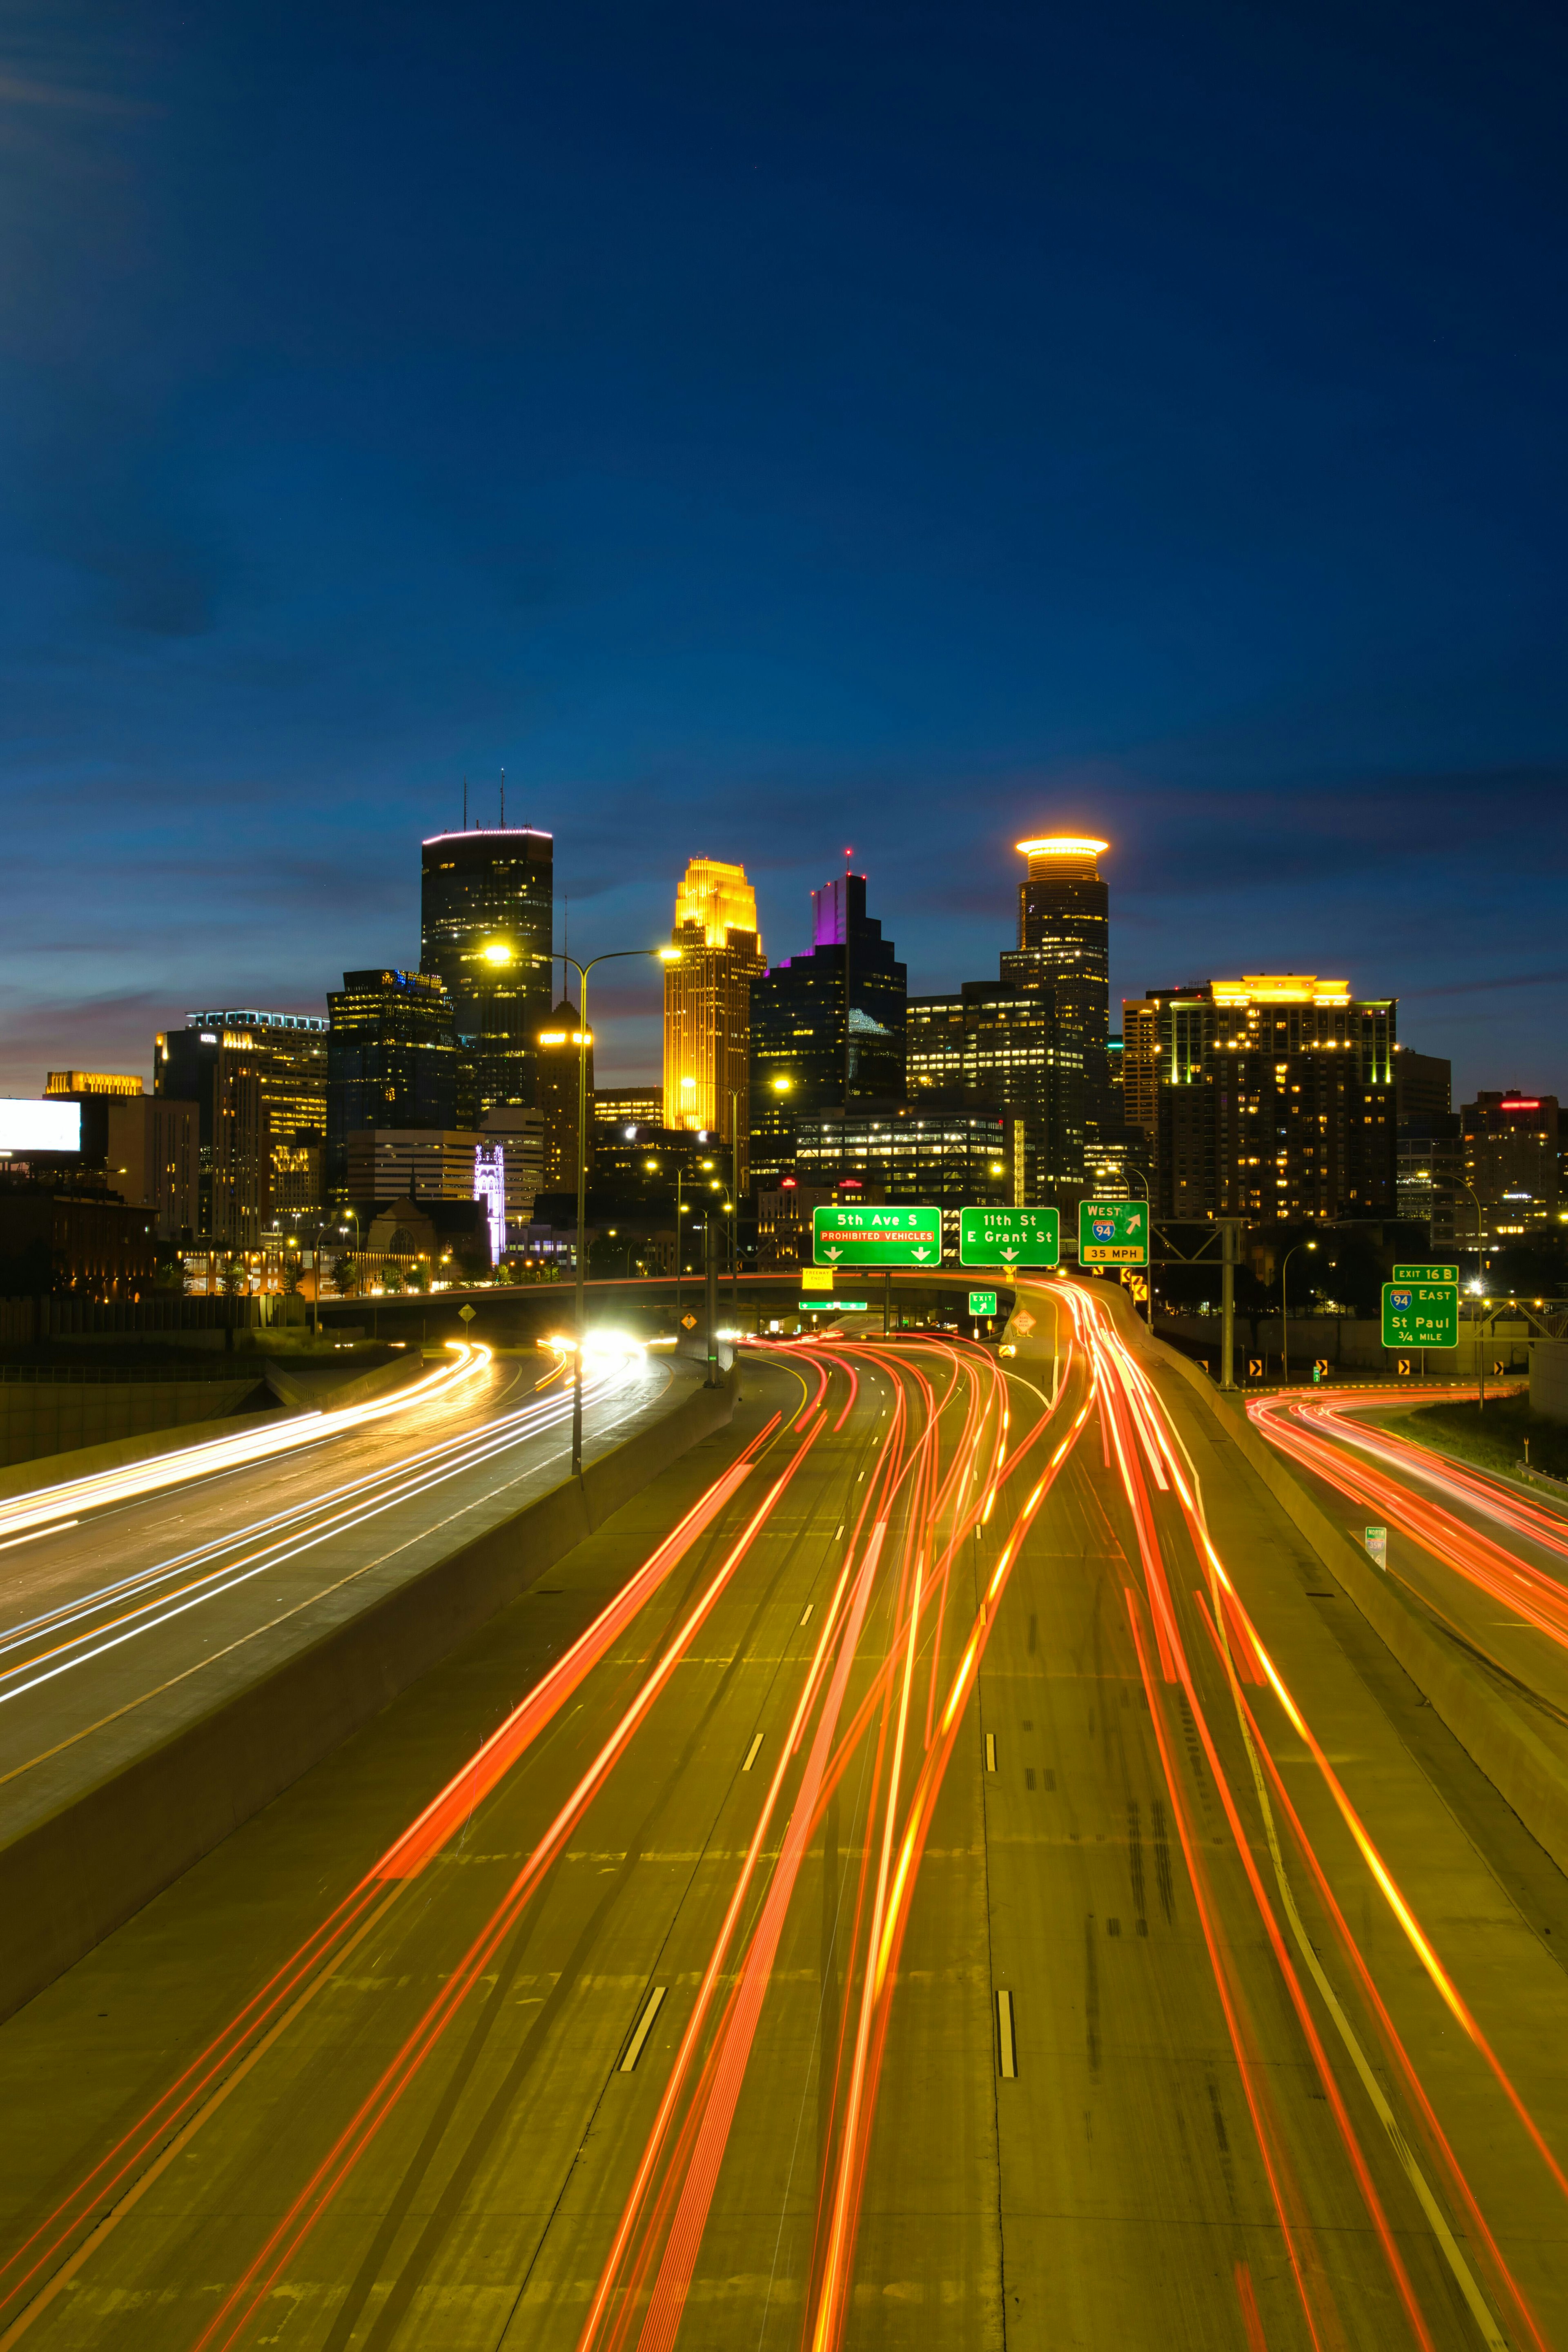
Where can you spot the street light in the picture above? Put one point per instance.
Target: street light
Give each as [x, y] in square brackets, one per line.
[1480, 1284]
[615, 955]
[1285, 1311]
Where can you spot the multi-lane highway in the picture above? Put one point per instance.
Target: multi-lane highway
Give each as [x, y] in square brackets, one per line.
[933, 1872]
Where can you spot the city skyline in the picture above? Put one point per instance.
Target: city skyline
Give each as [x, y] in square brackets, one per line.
[1183, 472]
[629, 1009]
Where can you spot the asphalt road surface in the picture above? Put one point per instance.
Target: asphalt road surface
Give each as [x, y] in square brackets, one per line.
[936, 1870]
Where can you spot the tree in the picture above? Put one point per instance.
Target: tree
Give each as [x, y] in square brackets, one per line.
[345, 1275]
[236, 1277]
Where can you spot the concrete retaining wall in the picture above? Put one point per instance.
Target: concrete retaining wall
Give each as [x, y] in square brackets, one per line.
[39, 1417]
[1493, 1730]
[70, 1880]
[1548, 1379]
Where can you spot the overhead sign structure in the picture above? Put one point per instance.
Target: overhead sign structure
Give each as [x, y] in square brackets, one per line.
[875, 1236]
[1009, 1237]
[1420, 1315]
[1448, 1274]
[1113, 1232]
[982, 1302]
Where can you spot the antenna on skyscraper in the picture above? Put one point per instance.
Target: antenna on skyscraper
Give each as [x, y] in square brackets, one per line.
[503, 800]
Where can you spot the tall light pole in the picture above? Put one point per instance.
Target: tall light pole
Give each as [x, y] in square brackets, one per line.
[615, 955]
[1481, 1286]
[1285, 1311]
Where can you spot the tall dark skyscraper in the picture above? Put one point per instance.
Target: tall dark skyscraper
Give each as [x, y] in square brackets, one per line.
[486, 916]
[391, 1060]
[1064, 937]
[818, 1046]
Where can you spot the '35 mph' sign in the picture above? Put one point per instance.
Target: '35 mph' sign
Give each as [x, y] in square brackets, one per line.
[1113, 1232]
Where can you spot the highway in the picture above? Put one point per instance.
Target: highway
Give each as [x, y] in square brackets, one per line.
[121, 1588]
[931, 1872]
[1484, 1556]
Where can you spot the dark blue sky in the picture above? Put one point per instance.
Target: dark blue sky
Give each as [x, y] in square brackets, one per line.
[763, 429]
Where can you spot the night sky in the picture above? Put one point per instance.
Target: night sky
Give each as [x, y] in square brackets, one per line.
[765, 429]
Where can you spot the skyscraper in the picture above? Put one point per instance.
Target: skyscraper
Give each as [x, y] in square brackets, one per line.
[486, 919]
[392, 1060]
[290, 1050]
[1064, 938]
[708, 1003]
[1273, 1098]
[992, 1041]
[827, 1028]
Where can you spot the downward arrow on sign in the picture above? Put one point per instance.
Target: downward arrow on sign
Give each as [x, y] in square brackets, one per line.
[921, 1252]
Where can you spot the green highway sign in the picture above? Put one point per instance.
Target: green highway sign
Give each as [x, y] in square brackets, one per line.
[1420, 1315]
[982, 1302]
[1448, 1274]
[832, 1306]
[1008, 1237]
[875, 1236]
[1113, 1232]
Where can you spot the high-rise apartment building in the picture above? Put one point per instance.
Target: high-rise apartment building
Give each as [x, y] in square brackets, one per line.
[217, 1068]
[486, 919]
[1064, 939]
[559, 1073]
[1508, 1158]
[392, 1060]
[290, 1050]
[827, 1027]
[1273, 1098]
[707, 1004]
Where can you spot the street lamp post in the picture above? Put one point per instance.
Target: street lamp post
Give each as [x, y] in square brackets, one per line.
[1285, 1310]
[615, 955]
[1481, 1286]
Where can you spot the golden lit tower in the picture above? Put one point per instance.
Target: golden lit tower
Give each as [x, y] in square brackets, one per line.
[708, 1001]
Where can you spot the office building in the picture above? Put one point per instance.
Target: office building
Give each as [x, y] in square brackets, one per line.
[1274, 1098]
[146, 1146]
[443, 1163]
[1427, 1146]
[992, 1041]
[827, 1027]
[1064, 940]
[629, 1105]
[289, 1050]
[486, 918]
[561, 1069]
[392, 1060]
[1423, 1085]
[708, 1003]
[1509, 1156]
[953, 1153]
[217, 1068]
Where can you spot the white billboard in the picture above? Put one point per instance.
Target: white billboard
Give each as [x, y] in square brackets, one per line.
[27, 1126]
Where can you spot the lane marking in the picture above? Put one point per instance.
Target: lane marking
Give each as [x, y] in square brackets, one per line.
[54, 1528]
[805, 1613]
[751, 1753]
[1007, 2040]
[651, 2008]
[991, 1761]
